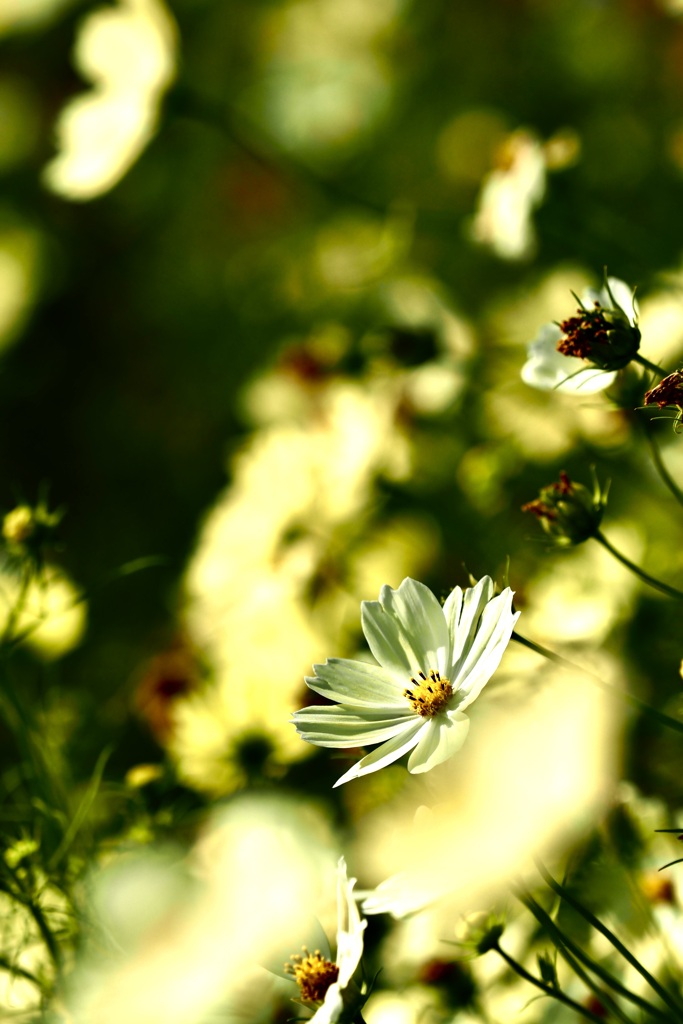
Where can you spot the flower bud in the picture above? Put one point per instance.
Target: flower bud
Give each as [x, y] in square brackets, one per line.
[568, 512]
[604, 337]
[668, 392]
[546, 968]
[482, 932]
[27, 529]
[605, 333]
[18, 525]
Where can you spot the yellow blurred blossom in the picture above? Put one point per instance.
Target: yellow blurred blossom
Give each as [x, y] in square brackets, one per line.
[509, 194]
[278, 569]
[52, 613]
[128, 53]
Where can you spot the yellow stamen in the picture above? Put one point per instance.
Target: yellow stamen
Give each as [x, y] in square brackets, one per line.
[313, 974]
[430, 694]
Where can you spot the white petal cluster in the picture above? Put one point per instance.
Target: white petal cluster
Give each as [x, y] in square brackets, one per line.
[411, 636]
[550, 370]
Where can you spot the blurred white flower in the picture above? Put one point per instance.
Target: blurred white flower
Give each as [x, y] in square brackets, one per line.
[322, 983]
[508, 196]
[548, 368]
[175, 935]
[128, 52]
[433, 663]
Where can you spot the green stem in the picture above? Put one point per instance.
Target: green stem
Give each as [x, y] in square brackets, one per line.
[664, 588]
[23, 896]
[15, 613]
[555, 993]
[635, 702]
[605, 997]
[652, 367]
[596, 923]
[564, 944]
[659, 462]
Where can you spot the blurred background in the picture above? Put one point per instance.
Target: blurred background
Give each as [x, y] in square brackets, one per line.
[268, 271]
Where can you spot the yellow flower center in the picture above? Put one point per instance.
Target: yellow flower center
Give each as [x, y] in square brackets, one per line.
[430, 694]
[313, 974]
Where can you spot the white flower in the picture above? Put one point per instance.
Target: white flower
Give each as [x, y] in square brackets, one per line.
[320, 980]
[433, 663]
[128, 51]
[550, 370]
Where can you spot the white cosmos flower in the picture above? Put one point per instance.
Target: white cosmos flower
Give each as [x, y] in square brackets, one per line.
[433, 663]
[550, 370]
[326, 983]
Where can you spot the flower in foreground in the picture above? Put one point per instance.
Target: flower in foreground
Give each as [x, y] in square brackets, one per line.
[582, 353]
[434, 662]
[326, 985]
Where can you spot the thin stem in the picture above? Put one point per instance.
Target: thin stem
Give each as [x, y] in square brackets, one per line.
[596, 923]
[15, 613]
[629, 698]
[24, 897]
[555, 993]
[652, 367]
[659, 462]
[564, 944]
[664, 588]
[605, 997]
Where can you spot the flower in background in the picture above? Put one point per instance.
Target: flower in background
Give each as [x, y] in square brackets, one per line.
[604, 333]
[433, 663]
[49, 616]
[509, 194]
[568, 512]
[128, 52]
[326, 985]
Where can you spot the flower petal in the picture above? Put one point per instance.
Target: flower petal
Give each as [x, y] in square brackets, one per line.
[343, 726]
[406, 629]
[387, 752]
[350, 927]
[356, 682]
[492, 637]
[463, 628]
[550, 370]
[332, 1006]
[442, 738]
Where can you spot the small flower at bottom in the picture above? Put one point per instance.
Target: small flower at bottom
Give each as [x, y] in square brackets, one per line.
[326, 985]
[433, 662]
[567, 511]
